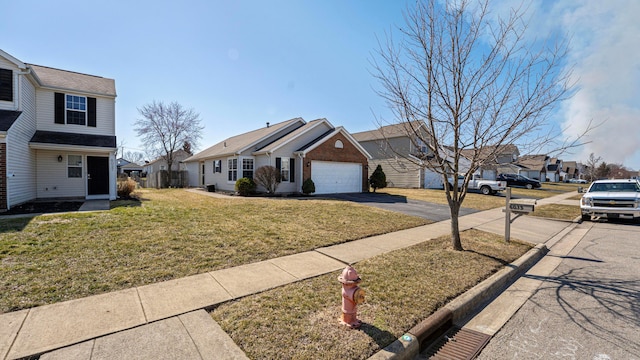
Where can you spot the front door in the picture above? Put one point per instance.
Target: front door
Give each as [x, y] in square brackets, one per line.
[97, 175]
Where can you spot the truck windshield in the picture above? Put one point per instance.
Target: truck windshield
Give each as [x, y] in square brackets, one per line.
[619, 187]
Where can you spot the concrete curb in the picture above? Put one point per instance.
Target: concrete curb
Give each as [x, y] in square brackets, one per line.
[418, 338]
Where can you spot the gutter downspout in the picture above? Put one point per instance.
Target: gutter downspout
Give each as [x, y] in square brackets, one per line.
[301, 170]
[19, 88]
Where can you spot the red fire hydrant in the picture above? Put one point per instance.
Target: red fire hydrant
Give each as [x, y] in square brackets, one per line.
[352, 296]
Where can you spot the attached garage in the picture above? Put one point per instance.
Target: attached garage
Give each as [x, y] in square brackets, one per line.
[332, 177]
[432, 180]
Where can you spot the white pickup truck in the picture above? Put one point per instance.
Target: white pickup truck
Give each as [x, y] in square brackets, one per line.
[486, 187]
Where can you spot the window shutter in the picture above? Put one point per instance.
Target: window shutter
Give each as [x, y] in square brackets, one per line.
[59, 108]
[292, 167]
[278, 164]
[6, 85]
[91, 120]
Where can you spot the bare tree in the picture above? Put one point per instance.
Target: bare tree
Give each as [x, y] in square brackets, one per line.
[134, 156]
[268, 177]
[592, 166]
[461, 80]
[164, 129]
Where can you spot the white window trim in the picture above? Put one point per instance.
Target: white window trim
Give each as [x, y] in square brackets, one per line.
[241, 165]
[229, 169]
[284, 161]
[75, 166]
[85, 111]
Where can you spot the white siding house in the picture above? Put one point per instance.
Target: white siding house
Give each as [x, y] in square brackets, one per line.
[57, 134]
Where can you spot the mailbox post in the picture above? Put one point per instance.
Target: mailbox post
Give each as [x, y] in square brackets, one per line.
[518, 207]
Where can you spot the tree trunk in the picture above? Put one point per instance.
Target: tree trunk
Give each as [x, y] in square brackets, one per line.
[455, 228]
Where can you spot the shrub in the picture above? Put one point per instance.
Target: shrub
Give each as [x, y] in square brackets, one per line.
[126, 187]
[378, 179]
[268, 177]
[308, 187]
[245, 186]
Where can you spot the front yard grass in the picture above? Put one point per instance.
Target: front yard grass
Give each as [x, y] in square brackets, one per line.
[171, 234]
[557, 211]
[403, 287]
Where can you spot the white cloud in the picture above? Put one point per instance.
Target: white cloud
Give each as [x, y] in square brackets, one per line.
[606, 59]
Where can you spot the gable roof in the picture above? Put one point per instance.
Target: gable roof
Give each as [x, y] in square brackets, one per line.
[73, 81]
[13, 60]
[176, 156]
[293, 135]
[536, 162]
[389, 131]
[328, 135]
[239, 143]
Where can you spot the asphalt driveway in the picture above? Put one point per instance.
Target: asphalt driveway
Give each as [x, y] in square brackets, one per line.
[423, 209]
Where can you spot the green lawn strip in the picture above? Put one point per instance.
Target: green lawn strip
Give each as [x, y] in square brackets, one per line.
[403, 287]
[172, 234]
[557, 211]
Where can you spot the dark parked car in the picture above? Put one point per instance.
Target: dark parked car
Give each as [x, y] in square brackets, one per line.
[519, 180]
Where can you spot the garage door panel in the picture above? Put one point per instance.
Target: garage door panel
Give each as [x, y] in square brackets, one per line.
[332, 177]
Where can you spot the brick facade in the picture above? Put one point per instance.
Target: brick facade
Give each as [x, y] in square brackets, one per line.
[327, 151]
[3, 177]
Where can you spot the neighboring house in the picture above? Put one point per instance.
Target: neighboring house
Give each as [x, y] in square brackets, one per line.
[57, 134]
[401, 154]
[554, 170]
[492, 159]
[570, 170]
[534, 166]
[154, 169]
[128, 167]
[328, 155]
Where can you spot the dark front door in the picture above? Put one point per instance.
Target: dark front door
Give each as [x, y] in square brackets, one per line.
[97, 175]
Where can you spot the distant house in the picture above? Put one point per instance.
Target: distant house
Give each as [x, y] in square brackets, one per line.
[300, 150]
[492, 159]
[570, 170]
[401, 154]
[554, 169]
[57, 134]
[534, 166]
[128, 167]
[156, 169]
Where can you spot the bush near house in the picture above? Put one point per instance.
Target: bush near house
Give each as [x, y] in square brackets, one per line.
[245, 186]
[268, 177]
[378, 179]
[126, 186]
[308, 187]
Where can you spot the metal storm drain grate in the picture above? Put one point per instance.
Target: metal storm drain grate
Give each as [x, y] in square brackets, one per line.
[457, 344]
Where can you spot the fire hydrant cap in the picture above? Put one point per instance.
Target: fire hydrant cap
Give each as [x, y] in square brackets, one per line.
[349, 276]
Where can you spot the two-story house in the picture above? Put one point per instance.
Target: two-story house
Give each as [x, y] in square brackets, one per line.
[401, 154]
[57, 134]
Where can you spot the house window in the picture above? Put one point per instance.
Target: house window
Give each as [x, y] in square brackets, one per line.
[232, 165]
[74, 166]
[217, 166]
[284, 169]
[76, 107]
[247, 168]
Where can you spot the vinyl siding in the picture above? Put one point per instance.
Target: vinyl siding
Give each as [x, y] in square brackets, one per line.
[105, 115]
[400, 173]
[21, 160]
[52, 180]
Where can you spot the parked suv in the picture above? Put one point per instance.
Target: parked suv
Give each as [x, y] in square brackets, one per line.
[519, 180]
[612, 198]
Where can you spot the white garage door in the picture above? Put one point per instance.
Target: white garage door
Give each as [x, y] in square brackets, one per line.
[432, 180]
[336, 177]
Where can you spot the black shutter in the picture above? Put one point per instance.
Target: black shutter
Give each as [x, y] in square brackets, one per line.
[6, 85]
[292, 167]
[278, 164]
[91, 120]
[59, 108]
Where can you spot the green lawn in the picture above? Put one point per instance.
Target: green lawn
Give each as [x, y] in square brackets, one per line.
[403, 287]
[172, 234]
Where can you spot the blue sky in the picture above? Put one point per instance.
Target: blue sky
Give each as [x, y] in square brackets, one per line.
[240, 64]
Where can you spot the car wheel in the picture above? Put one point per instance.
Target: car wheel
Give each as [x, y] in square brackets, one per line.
[529, 186]
[485, 190]
[586, 217]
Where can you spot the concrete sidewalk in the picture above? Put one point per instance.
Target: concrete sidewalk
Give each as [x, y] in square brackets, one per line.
[166, 320]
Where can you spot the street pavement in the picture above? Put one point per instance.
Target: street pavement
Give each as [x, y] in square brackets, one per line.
[588, 307]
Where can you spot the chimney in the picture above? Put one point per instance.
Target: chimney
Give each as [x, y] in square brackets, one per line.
[267, 124]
